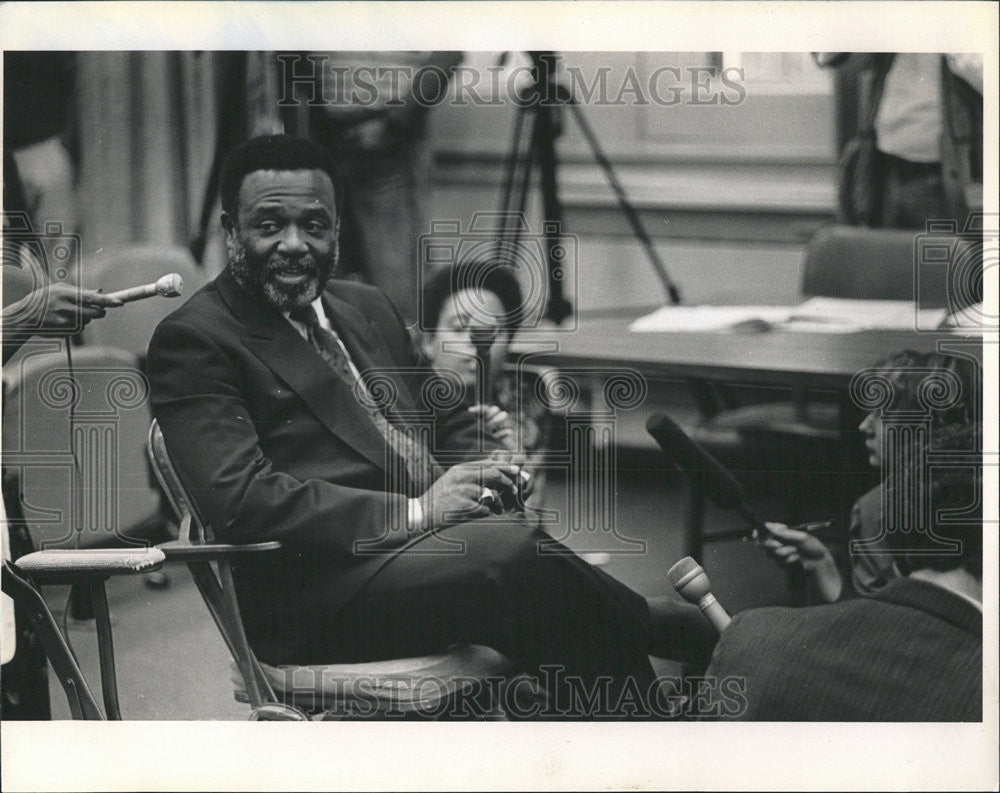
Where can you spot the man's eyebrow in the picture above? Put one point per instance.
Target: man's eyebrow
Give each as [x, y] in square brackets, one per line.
[319, 209]
[278, 208]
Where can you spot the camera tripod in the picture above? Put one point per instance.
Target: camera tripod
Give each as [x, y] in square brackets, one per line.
[543, 101]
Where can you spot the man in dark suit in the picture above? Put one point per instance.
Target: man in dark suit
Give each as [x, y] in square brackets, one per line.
[913, 651]
[295, 409]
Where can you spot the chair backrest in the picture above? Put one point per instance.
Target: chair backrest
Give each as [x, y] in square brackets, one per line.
[890, 264]
[170, 483]
[74, 439]
[217, 589]
[132, 326]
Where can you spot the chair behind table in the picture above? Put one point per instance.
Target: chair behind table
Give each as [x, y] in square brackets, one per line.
[891, 264]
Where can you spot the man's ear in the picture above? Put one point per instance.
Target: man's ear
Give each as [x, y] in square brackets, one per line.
[228, 223]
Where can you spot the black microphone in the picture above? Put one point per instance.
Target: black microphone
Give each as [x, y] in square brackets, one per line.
[482, 339]
[721, 486]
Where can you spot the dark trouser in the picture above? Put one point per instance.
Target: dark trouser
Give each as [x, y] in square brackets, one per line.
[514, 589]
[912, 194]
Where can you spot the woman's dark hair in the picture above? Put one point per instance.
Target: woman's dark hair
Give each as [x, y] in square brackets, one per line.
[481, 275]
[949, 380]
[274, 153]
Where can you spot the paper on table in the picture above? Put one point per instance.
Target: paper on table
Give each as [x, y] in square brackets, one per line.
[691, 319]
[865, 314]
[816, 315]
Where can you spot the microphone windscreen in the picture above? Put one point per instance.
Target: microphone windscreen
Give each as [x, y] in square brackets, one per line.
[720, 485]
[170, 285]
[681, 569]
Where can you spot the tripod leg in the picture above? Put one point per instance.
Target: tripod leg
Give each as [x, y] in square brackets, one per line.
[626, 206]
[517, 179]
[513, 159]
[558, 307]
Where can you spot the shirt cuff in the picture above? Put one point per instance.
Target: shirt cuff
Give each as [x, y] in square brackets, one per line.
[414, 517]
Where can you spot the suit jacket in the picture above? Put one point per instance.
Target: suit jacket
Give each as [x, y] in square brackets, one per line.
[272, 444]
[911, 652]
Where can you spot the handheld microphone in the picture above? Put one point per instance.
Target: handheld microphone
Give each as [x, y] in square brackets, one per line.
[167, 286]
[720, 486]
[690, 581]
[482, 340]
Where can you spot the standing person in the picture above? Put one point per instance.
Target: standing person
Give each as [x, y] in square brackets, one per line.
[38, 92]
[370, 110]
[918, 155]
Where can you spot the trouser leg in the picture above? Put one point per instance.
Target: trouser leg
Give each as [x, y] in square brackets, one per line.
[556, 617]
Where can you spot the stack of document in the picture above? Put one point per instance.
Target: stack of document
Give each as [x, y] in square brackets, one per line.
[816, 315]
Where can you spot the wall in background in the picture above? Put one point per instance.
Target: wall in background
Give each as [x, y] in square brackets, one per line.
[728, 157]
[731, 177]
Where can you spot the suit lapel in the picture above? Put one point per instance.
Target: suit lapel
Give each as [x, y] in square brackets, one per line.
[366, 346]
[273, 340]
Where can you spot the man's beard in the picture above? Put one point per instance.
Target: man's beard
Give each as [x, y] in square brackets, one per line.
[260, 280]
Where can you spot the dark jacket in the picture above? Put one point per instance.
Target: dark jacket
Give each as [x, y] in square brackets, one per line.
[272, 444]
[911, 652]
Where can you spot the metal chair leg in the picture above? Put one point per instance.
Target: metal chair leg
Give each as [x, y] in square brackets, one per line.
[105, 650]
[694, 519]
[258, 687]
[82, 704]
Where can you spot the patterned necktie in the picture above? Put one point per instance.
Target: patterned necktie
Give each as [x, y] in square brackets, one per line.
[421, 466]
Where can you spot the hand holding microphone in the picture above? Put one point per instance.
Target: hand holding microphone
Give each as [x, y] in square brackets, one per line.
[170, 285]
[56, 309]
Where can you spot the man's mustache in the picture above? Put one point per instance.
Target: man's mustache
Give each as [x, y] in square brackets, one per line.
[279, 262]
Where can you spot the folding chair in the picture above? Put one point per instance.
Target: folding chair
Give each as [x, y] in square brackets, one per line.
[23, 579]
[403, 686]
[74, 466]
